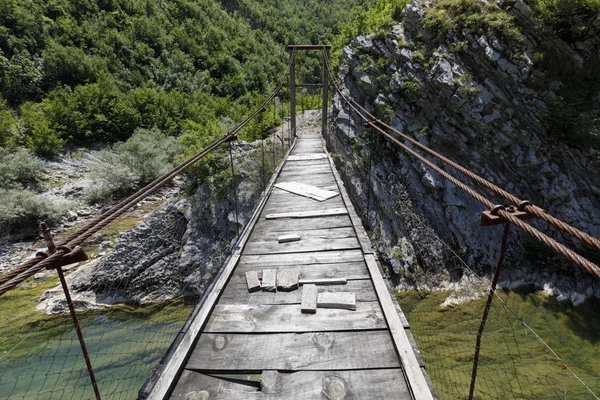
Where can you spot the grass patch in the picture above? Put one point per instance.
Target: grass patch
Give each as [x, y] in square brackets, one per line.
[513, 363]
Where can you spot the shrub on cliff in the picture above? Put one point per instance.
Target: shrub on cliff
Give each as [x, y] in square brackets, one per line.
[148, 154]
[571, 20]
[19, 169]
[22, 209]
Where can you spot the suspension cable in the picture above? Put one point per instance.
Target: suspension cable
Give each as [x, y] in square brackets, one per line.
[524, 205]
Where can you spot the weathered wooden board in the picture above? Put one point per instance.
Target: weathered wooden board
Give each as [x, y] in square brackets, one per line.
[381, 384]
[306, 168]
[309, 299]
[307, 157]
[316, 257]
[287, 279]
[294, 351]
[252, 281]
[292, 237]
[235, 293]
[308, 214]
[323, 234]
[341, 300]
[288, 318]
[349, 271]
[324, 281]
[292, 206]
[282, 198]
[301, 224]
[305, 245]
[415, 377]
[269, 280]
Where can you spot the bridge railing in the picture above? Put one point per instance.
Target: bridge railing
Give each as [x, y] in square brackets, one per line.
[59, 338]
[509, 352]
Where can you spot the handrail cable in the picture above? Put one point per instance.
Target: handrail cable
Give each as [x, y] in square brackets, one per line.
[523, 205]
[590, 267]
[36, 264]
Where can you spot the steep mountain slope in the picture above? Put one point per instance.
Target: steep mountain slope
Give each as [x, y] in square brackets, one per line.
[489, 85]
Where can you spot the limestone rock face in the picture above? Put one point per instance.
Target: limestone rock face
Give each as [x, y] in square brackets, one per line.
[478, 101]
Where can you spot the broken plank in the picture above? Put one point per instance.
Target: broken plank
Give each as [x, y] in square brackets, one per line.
[323, 281]
[340, 272]
[353, 384]
[341, 300]
[288, 318]
[308, 214]
[309, 299]
[268, 381]
[309, 191]
[235, 293]
[294, 351]
[287, 279]
[288, 238]
[269, 280]
[252, 281]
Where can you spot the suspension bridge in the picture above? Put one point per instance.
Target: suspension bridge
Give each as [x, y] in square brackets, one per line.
[301, 308]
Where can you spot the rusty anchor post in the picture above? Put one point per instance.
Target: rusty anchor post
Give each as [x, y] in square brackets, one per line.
[490, 298]
[72, 256]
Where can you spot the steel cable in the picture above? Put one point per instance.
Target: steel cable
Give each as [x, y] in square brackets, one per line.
[39, 262]
[532, 209]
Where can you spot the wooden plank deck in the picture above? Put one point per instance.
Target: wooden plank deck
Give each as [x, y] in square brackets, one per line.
[332, 354]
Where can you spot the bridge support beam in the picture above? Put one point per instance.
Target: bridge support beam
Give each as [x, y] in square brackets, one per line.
[325, 86]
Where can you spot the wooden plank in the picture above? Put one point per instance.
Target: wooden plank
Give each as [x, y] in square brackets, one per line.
[307, 157]
[268, 381]
[315, 257]
[300, 225]
[174, 364]
[308, 214]
[416, 380]
[311, 272]
[252, 281]
[334, 385]
[236, 293]
[324, 281]
[309, 299]
[294, 351]
[269, 280]
[307, 245]
[292, 237]
[288, 318]
[293, 205]
[287, 279]
[341, 300]
[324, 234]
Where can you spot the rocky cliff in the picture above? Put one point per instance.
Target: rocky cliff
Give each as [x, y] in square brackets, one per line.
[481, 94]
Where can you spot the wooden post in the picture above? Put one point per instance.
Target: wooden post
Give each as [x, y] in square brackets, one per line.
[325, 92]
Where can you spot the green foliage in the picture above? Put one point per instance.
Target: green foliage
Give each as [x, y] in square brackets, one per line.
[411, 89]
[8, 124]
[470, 16]
[22, 209]
[38, 134]
[370, 17]
[147, 155]
[19, 169]
[571, 20]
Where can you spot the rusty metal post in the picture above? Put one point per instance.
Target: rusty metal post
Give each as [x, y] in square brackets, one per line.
[86, 356]
[235, 199]
[293, 94]
[486, 310]
[369, 183]
[262, 145]
[52, 249]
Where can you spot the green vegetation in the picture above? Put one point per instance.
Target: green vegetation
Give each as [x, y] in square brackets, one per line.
[376, 18]
[470, 16]
[148, 154]
[571, 20]
[512, 360]
[19, 169]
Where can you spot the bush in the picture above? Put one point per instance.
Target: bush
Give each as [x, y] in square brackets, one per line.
[572, 20]
[38, 133]
[22, 209]
[148, 154]
[19, 169]
[8, 124]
